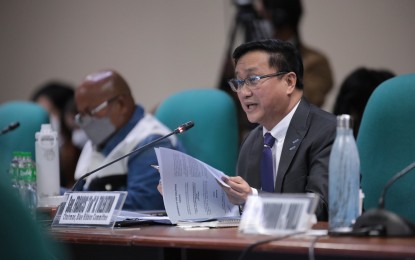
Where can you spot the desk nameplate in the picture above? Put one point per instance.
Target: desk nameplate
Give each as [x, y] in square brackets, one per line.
[89, 209]
[278, 214]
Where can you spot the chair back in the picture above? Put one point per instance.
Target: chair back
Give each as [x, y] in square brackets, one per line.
[30, 116]
[214, 138]
[386, 143]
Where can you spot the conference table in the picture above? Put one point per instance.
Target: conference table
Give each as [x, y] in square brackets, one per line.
[171, 242]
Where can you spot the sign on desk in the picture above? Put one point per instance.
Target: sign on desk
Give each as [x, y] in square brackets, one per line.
[278, 214]
[89, 209]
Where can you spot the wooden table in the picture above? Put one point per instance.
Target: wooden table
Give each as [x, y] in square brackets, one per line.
[170, 242]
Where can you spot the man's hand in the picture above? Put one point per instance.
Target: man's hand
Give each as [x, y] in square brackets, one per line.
[238, 191]
[160, 188]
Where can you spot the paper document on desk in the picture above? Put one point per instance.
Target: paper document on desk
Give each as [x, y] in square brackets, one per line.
[126, 218]
[191, 188]
[222, 222]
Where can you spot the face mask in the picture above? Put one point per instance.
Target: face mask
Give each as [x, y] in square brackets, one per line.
[79, 138]
[98, 129]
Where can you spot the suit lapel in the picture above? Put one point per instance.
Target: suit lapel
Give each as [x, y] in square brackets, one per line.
[249, 159]
[255, 160]
[296, 131]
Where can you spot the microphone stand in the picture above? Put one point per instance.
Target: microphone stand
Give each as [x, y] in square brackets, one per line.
[379, 221]
[178, 130]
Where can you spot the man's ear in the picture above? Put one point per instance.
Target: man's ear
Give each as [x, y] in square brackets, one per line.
[122, 103]
[127, 106]
[291, 79]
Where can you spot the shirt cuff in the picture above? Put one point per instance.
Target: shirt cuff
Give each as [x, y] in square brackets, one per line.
[241, 207]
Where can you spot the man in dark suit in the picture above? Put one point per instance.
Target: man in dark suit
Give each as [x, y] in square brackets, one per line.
[269, 86]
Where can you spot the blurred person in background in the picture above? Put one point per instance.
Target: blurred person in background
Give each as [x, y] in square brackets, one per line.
[115, 126]
[54, 97]
[285, 17]
[356, 90]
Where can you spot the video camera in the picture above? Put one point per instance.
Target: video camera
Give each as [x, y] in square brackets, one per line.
[254, 26]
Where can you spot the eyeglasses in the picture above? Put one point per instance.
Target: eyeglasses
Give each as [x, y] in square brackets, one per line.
[251, 82]
[80, 119]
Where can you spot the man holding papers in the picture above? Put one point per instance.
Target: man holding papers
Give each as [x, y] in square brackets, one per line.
[269, 85]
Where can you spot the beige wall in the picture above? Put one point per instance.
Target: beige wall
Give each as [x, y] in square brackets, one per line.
[163, 46]
[373, 33]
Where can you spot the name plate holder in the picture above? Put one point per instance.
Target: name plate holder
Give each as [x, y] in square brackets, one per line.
[89, 209]
[278, 214]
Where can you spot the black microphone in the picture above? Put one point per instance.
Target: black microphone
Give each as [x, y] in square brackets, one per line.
[379, 221]
[178, 130]
[10, 127]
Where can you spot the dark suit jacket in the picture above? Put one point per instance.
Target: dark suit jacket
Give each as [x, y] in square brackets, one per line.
[303, 165]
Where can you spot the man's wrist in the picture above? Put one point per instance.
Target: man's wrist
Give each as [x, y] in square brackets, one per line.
[254, 192]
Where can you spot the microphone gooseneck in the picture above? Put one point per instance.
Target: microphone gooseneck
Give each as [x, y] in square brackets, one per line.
[392, 181]
[180, 129]
[381, 222]
[10, 127]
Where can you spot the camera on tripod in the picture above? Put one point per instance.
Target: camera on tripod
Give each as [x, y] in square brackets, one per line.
[247, 18]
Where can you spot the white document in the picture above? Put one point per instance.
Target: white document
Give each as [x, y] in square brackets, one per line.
[126, 215]
[191, 188]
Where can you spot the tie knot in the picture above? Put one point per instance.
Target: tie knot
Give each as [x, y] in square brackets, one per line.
[269, 140]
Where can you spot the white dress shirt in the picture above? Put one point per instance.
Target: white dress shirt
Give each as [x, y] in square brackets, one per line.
[278, 132]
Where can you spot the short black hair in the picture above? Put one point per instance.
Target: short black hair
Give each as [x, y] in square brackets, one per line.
[282, 55]
[57, 92]
[356, 90]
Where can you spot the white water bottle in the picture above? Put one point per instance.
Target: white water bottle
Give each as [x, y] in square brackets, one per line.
[47, 164]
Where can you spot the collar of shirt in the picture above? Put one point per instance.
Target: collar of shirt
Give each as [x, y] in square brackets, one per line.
[123, 132]
[279, 131]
